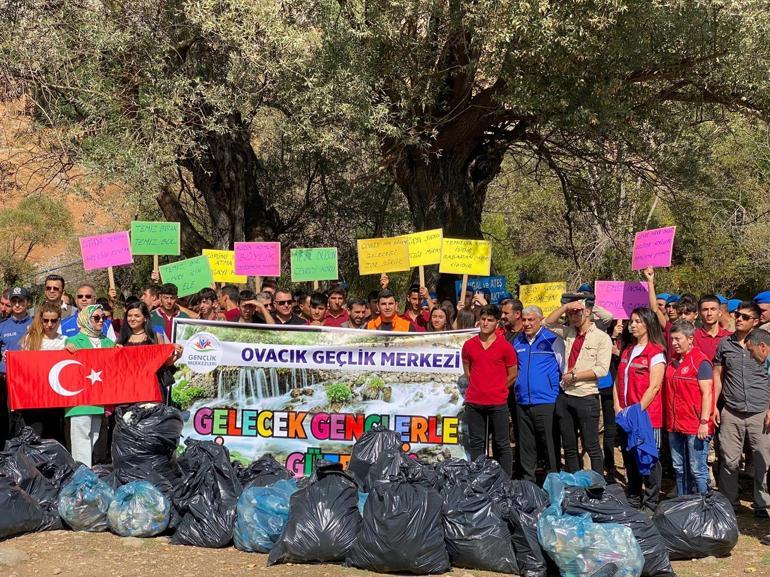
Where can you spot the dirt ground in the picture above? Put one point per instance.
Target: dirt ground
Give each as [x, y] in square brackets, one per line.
[70, 554]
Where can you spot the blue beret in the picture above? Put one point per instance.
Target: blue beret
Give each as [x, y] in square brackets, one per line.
[763, 298]
[663, 296]
[673, 299]
[585, 288]
[733, 304]
[722, 300]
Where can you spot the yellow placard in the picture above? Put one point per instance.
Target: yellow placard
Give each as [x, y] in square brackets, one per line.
[378, 255]
[546, 295]
[223, 266]
[425, 247]
[461, 256]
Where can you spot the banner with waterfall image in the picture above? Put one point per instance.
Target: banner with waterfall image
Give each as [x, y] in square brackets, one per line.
[308, 393]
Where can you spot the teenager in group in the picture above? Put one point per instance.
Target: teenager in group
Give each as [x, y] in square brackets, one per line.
[207, 305]
[439, 320]
[85, 422]
[318, 307]
[744, 389]
[357, 309]
[43, 335]
[588, 353]
[640, 378]
[336, 315]
[371, 299]
[540, 355]
[388, 318]
[163, 317]
[708, 336]
[150, 297]
[228, 303]
[413, 311]
[489, 363]
[689, 410]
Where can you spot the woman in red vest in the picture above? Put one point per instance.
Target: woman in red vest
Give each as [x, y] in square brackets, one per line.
[640, 380]
[689, 410]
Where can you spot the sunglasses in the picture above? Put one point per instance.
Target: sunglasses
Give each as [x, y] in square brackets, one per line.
[50, 321]
[85, 296]
[98, 318]
[53, 288]
[745, 317]
[284, 303]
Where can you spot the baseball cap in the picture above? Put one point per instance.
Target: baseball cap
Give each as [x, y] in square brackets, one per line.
[19, 293]
[589, 298]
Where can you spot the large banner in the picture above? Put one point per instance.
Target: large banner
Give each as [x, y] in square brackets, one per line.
[308, 393]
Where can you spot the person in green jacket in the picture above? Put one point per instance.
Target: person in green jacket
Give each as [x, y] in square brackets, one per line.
[86, 421]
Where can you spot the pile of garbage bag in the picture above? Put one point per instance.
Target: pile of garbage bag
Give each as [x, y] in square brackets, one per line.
[695, 526]
[21, 514]
[85, 500]
[263, 472]
[139, 510]
[579, 546]
[261, 514]
[367, 450]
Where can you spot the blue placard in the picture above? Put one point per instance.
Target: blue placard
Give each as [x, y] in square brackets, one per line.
[496, 284]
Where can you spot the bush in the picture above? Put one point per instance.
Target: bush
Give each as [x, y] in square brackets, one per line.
[338, 393]
[184, 394]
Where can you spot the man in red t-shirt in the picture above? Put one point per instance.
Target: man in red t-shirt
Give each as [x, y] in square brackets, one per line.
[229, 297]
[708, 336]
[490, 367]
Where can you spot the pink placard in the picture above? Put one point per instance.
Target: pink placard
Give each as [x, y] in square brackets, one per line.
[105, 250]
[653, 248]
[621, 297]
[258, 258]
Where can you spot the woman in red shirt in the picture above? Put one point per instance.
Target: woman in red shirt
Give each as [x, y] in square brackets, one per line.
[640, 379]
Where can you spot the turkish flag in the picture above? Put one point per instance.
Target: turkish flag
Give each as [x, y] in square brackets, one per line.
[51, 379]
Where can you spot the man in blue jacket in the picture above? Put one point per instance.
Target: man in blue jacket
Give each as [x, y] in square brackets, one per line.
[540, 355]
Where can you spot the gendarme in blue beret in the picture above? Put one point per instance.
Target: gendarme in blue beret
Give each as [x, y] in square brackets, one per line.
[673, 299]
[722, 300]
[763, 298]
[733, 304]
[663, 296]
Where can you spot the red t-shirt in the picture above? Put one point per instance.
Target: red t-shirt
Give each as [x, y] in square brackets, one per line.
[420, 322]
[233, 315]
[708, 344]
[488, 371]
[338, 321]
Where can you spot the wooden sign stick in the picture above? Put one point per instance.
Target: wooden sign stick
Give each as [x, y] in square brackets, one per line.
[422, 275]
[315, 285]
[464, 289]
[257, 284]
[155, 264]
[111, 277]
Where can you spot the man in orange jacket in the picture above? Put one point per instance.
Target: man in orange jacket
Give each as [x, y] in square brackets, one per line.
[388, 319]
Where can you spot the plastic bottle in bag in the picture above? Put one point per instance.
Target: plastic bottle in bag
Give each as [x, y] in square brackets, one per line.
[85, 500]
[261, 514]
[139, 510]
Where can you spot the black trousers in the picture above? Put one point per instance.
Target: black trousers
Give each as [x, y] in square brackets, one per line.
[643, 491]
[608, 440]
[476, 417]
[535, 422]
[582, 413]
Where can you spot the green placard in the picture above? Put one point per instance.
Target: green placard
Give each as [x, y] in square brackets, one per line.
[161, 238]
[309, 264]
[189, 276]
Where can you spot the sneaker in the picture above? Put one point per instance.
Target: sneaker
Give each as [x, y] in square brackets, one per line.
[761, 514]
[765, 540]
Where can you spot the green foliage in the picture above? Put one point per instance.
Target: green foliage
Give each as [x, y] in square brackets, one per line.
[338, 393]
[375, 382]
[185, 394]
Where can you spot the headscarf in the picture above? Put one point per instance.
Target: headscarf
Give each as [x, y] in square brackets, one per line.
[84, 321]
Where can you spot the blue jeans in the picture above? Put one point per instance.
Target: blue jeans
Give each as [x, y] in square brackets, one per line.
[689, 456]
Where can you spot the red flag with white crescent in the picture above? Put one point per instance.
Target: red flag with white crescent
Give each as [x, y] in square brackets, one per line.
[53, 379]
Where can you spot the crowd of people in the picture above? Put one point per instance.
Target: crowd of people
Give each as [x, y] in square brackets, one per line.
[681, 379]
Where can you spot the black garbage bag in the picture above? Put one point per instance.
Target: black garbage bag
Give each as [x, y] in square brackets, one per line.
[48, 455]
[20, 468]
[204, 500]
[20, 513]
[521, 503]
[475, 532]
[694, 526]
[145, 439]
[323, 519]
[486, 474]
[609, 505]
[402, 531]
[263, 472]
[107, 474]
[365, 451]
[452, 472]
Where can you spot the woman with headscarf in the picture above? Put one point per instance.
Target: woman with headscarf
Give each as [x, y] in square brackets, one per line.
[86, 421]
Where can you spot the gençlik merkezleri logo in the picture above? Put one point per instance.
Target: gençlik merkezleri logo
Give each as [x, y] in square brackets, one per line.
[203, 353]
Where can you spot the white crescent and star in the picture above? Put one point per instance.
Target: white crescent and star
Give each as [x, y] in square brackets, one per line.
[55, 372]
